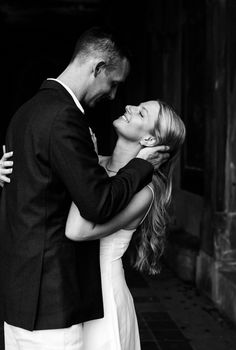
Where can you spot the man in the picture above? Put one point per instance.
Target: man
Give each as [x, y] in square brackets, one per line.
[52, 284]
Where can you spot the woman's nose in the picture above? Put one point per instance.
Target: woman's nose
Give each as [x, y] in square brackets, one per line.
[131, 109]
[127, 108]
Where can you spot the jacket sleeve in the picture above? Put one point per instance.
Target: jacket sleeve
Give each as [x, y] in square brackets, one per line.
[75, 161]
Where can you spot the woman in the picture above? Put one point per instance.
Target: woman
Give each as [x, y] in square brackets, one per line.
[147, 125]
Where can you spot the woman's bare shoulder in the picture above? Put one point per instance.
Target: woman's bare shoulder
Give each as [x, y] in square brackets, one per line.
[145, 196]
[141, 203]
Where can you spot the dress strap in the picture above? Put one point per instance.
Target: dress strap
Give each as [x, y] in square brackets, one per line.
[149, 208]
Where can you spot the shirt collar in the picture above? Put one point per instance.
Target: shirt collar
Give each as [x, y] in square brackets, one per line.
[78, 104]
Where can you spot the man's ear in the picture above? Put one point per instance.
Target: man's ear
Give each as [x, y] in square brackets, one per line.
[99, 67]
[149, 141]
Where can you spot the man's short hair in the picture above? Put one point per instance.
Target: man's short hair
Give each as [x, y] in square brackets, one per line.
[102, 43]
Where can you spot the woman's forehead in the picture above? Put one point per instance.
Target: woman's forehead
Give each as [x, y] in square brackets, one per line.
[152, 108]
[150, 104]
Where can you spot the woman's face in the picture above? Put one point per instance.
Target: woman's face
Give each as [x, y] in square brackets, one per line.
[138, 122]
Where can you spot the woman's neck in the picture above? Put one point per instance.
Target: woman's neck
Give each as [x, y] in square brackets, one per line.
[123, 152]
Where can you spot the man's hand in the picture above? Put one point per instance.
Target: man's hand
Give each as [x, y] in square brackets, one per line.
[159, 153]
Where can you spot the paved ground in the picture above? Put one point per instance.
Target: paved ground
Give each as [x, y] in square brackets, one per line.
[173, 315]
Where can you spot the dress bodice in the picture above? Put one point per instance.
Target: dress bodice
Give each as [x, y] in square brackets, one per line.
[114, 246]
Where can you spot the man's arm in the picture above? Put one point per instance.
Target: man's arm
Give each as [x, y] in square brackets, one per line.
[74, 159]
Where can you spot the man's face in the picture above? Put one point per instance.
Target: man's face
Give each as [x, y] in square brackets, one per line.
[105, 83]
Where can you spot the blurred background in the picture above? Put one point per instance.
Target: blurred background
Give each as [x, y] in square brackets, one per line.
[184, 53]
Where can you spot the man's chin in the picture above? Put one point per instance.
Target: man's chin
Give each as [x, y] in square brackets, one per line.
[93, 103]
[102, 99]
[98, 101]
[90, 103]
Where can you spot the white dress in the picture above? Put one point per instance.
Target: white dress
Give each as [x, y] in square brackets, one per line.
[118, 330]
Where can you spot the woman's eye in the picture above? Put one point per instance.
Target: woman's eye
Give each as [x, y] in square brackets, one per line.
[141, 114]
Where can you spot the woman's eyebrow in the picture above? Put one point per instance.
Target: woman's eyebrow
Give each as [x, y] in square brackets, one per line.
[145, 109]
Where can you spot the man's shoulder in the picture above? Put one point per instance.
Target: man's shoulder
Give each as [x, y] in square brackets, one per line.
[38, 116]
[54, 100]
[47, 105]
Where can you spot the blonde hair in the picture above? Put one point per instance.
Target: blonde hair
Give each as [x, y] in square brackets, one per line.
[149, 238]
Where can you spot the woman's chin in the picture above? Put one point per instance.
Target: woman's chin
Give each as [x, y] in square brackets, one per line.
[116, 123]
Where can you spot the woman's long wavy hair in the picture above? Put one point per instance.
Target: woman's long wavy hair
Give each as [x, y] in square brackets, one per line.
[149, 239]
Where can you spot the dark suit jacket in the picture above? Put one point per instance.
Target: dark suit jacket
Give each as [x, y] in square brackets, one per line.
[47, 280]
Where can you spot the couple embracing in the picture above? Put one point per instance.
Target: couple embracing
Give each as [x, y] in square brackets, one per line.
[67, 216]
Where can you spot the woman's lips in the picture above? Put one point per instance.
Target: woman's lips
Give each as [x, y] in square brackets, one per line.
[125, 118]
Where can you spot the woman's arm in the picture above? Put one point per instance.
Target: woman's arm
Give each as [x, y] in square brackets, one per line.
[79, 229]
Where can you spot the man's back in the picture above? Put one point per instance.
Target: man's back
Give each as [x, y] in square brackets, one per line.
[42, 268]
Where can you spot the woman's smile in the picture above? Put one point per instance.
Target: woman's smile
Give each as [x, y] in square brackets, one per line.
[124, 116]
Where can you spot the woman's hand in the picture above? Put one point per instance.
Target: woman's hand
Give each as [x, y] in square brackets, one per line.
[5, 168]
